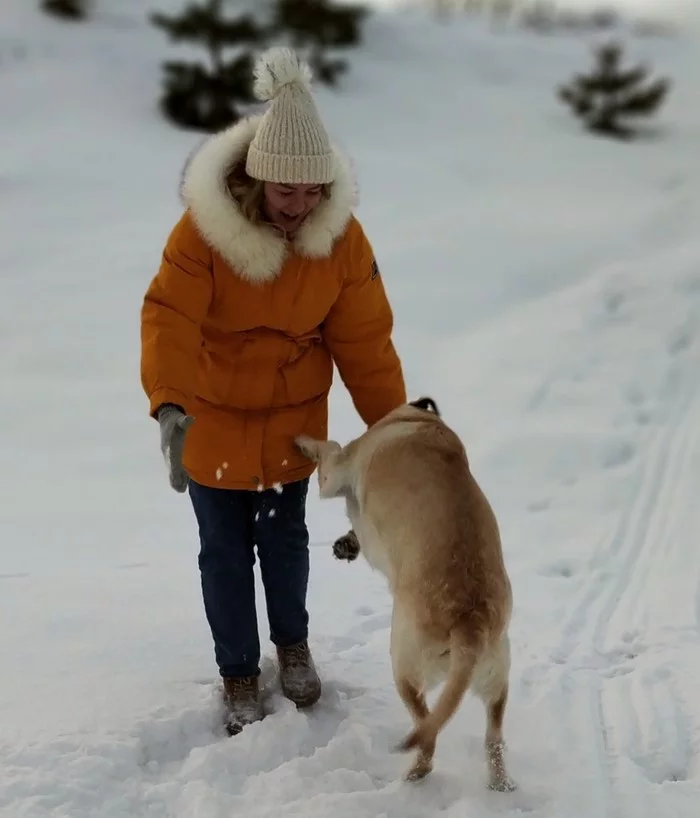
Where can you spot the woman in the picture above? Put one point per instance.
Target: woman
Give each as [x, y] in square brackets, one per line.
[266, 281]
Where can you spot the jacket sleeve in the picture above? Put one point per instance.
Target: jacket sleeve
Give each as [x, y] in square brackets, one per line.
[174, 307]
[357, 331]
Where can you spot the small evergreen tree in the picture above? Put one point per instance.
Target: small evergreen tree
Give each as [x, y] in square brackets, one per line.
[603, 18]
[442, 9]
[540, 16]
[609, 94]
[66, 9]
[317, 25]
[201, 97]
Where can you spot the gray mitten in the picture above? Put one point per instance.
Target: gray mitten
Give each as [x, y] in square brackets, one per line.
[174, 424]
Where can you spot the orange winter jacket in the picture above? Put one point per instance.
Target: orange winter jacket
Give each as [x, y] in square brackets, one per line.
[243, 336]
[254, 363]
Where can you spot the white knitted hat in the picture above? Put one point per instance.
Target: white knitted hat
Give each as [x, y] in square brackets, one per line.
[291, 145]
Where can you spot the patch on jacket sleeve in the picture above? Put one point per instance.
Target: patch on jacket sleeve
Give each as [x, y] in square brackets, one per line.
[375, 269]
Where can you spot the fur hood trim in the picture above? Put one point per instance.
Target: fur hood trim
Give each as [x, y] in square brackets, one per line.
[256, 252]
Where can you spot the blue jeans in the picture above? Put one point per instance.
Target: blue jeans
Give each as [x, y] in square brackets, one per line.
[231, 523]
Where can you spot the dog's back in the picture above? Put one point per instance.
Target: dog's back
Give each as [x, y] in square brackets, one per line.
[437, 529]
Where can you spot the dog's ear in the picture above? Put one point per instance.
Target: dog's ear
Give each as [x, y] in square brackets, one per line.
[309, 447]
[426, 404]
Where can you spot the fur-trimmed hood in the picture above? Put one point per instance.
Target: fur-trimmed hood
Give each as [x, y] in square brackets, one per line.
[256, 252]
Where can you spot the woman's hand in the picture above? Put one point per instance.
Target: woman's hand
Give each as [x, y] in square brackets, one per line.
[174, 424]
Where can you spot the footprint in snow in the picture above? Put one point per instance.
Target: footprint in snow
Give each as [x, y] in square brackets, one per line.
[335, 691]
[560, 568]
[635, 395]
[676, 776]
[618, 670]
[377, 622]
[680, 340]
[630, 636]
[643, 417]
[621, 659]
[612, 301]
[617, 454]
[690, 284]
[373, 621]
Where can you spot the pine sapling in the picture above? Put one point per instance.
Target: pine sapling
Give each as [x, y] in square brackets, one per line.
[317, 26]
[66, 9]
[608, 95]
[206, 97]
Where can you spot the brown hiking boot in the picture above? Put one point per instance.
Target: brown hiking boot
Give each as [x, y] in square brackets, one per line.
[298, 677]
[242, 701]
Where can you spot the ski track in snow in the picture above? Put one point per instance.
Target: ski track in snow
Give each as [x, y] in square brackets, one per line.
[635, 716]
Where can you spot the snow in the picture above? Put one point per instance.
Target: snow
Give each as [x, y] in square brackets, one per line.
[546, 287]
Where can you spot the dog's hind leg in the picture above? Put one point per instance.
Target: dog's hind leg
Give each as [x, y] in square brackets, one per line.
[415, 702]
[412, 698]
[406, 667]
[491, 686]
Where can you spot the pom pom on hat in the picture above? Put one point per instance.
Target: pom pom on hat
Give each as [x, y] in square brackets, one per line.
[277, 67]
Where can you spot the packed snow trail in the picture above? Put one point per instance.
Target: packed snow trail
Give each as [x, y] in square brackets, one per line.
[605, 723]
[620, 670]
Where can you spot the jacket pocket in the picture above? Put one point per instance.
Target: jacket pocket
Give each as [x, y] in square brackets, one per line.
[218, 371]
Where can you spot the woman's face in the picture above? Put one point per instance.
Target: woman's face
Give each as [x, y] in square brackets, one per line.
[286, 206]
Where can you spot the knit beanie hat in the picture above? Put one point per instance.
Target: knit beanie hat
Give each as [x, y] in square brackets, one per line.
[291, 145]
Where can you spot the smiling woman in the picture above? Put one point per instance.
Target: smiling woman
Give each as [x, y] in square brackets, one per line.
[266, 281]
[284, 206]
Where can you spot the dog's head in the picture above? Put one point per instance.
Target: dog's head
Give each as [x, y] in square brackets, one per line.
[326, 454]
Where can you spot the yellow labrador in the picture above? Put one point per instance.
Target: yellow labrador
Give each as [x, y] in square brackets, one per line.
[419, 517]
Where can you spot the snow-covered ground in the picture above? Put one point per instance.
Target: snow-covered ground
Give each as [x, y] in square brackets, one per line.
[546, 286]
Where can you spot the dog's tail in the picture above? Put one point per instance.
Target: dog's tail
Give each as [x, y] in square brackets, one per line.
[463, 658]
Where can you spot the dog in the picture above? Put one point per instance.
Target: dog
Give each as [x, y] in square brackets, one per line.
[419, 517]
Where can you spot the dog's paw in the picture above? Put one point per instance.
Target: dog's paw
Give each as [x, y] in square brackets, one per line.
[423, 765]
[502, 784]
[419, 771]
[307, 446]
[346, 547]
